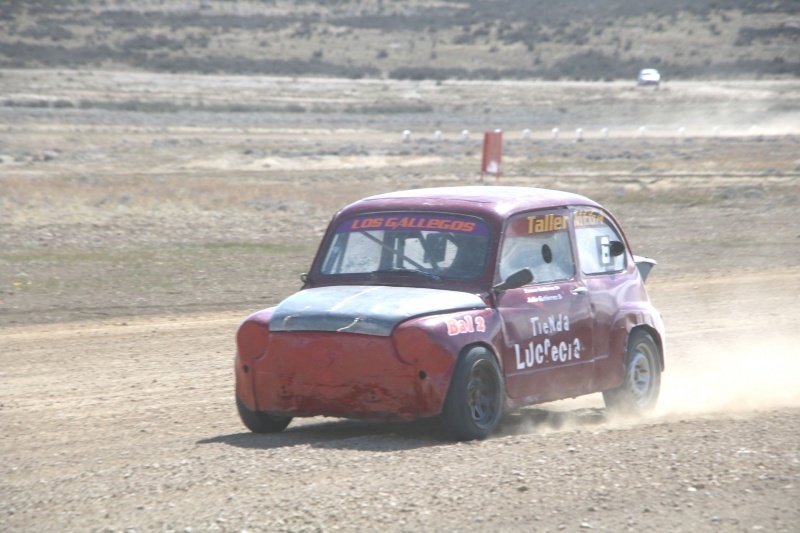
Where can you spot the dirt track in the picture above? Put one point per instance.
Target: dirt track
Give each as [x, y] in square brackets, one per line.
[120, 301]
[131, 426]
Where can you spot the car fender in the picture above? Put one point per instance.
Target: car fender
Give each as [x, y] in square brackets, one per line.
[451, 332]
[252, 338]
[432, 345]
[628, 318]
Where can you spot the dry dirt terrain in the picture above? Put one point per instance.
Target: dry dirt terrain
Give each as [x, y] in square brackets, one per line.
[412, 39]
[135, 238]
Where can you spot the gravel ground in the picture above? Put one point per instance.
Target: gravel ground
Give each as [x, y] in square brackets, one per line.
[131, 246]
[131, 426]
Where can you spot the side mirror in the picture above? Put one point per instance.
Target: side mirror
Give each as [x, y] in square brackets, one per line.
[515, 280]
[617, 248]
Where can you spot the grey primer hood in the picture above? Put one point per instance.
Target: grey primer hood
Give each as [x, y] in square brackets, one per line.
[368, 310]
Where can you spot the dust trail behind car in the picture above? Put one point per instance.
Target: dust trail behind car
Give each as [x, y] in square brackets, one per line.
[734, 343]
[738, 373]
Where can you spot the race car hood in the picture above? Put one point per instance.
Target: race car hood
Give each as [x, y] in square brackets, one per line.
[368, 310]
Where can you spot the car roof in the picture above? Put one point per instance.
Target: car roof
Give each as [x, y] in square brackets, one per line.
[488, 201]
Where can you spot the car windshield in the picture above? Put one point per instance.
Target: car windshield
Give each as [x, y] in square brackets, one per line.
[429, 245]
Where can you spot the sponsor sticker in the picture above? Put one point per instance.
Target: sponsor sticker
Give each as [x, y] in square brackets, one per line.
[543, 349]
[414, 221]
[468, 324]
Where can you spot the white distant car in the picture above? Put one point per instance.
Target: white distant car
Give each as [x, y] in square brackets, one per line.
[649, 76]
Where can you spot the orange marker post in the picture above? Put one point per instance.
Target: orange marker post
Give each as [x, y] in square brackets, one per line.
[492, 153]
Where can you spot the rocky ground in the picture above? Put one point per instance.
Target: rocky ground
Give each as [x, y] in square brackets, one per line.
[132, 242]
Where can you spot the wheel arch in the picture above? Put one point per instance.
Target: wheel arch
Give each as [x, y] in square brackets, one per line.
[465, 349]
[636, 317]
[481, 344]
[655, 335]
[469, 412]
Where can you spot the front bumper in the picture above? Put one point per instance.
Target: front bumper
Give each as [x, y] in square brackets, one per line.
[400, 377]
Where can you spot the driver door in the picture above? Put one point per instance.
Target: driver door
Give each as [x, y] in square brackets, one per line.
[547, 326]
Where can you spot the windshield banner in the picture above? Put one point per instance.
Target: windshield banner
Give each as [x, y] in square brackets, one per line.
[422, 222]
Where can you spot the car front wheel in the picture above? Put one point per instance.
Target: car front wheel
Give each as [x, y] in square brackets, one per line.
[474, 402]
[639, 391]
[258, 422]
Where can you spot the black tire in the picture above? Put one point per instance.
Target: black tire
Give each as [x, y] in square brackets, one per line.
[474, 402]
[258, 422]
[639, 391]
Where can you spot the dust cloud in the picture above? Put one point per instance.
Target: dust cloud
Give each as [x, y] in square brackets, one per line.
[731, 374]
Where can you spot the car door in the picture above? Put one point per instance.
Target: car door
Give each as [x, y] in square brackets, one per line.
[547, 350]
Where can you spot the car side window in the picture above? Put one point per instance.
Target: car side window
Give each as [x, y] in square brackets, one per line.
[541, 242]
[594, 235]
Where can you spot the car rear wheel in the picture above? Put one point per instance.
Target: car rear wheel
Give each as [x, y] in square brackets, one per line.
[474, 402]
[258, 422]
[639, 391]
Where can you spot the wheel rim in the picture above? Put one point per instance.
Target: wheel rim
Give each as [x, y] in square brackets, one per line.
[482, 394]
[641, 378]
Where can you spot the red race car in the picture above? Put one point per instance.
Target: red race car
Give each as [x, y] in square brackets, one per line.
[456, 302]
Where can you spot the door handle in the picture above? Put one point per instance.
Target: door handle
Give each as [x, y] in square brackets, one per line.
[579, 290]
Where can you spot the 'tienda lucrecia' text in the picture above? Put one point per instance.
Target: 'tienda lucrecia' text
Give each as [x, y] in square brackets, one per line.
[542, 349]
